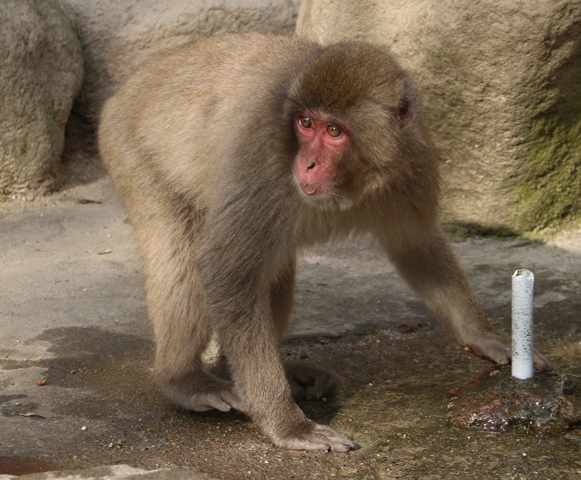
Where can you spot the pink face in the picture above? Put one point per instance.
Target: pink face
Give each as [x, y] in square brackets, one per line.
[321, 144]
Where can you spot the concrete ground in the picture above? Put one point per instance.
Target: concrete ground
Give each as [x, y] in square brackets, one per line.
[76, 348]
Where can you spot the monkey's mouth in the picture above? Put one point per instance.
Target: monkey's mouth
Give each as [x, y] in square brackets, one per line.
[313, 189]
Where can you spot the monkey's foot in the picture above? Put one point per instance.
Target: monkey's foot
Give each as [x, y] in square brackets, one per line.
[223, 400]
[311, 382]
[199, 401]
[317, 437]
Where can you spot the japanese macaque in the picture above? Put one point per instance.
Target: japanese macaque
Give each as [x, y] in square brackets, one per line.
[232, 153]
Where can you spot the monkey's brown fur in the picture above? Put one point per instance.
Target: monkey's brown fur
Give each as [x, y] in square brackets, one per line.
[200, 145]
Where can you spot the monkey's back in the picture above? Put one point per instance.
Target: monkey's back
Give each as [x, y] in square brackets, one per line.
[164, 118]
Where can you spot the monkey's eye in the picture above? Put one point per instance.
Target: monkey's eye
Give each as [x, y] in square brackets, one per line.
[306, 122]
[333, 131]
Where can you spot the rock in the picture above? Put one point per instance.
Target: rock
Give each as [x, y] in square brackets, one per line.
[494, 401]
[500, 85]
[41, 71]
[118, 36]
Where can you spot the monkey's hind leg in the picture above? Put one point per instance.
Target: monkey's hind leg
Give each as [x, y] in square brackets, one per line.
[307, 380]
[175, 306]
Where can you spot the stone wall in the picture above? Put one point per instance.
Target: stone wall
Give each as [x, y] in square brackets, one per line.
[47, 47]
[118, 36]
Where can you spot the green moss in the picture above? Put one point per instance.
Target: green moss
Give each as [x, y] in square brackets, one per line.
[549, 184]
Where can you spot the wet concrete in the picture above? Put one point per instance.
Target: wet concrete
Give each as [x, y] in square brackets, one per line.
[76, 349]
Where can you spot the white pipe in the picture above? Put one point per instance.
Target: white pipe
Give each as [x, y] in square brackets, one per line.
[523, 282]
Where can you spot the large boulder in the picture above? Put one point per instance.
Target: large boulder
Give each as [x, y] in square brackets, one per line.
[118, 36]
[501, 88]
[41, 71]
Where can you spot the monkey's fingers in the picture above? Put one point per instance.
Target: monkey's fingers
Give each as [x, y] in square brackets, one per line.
[202, 402]
[493, 348]
[541, 363]
[498, 350]
[233, 400]
[319, 437]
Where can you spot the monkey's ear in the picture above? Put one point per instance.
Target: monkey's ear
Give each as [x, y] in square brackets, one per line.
[408, 108]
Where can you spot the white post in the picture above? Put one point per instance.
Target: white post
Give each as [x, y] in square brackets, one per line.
[523, 282]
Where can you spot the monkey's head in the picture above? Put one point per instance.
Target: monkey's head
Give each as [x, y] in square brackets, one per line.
[353, 115]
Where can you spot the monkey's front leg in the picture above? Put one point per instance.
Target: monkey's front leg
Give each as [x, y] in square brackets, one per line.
[425, 259]
[251, 346]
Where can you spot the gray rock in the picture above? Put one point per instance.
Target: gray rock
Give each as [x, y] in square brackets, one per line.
[41, 71]
[500, 83]
[118, 36]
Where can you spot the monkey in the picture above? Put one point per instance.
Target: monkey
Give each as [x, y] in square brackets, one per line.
[234, 153]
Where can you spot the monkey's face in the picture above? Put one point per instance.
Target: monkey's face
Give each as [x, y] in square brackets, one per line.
[342, 160]
[321, 144]
[351, 109]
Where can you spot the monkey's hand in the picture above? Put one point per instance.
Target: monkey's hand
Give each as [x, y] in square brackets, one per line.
[314, 436]
[309, 381]
[497, 348]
